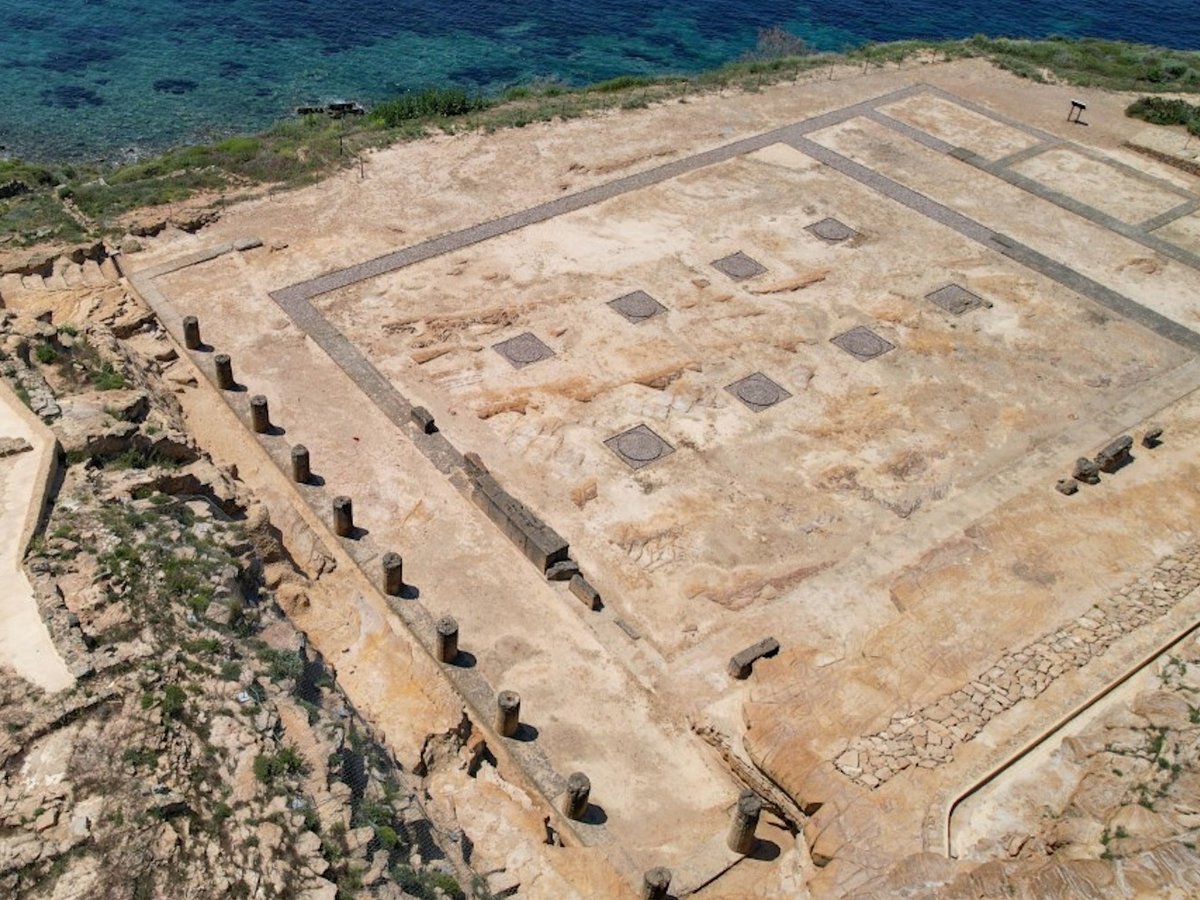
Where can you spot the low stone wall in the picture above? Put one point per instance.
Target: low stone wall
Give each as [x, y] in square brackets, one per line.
[42, 402]
[537, 540]
[926, 737]
[47, 475]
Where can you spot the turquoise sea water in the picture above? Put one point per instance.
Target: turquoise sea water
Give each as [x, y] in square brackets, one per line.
[90, 79]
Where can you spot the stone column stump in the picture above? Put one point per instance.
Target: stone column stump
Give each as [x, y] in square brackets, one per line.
[343, 517]
[575, 802]
[224, 372]
[447, 641]
[508, 713]
[191, 333]
[260, 416]
[745, 821]
[301, 469]
[393, 574]
[655, 884]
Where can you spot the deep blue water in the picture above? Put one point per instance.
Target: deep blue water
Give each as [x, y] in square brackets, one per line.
[88, 79]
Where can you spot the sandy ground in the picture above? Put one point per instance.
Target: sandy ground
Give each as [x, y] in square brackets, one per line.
[25, 643]
[893, 522]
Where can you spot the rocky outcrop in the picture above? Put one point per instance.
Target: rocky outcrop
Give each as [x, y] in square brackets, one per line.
[207, 750]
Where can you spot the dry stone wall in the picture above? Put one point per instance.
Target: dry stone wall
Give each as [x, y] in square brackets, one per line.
[927, 737]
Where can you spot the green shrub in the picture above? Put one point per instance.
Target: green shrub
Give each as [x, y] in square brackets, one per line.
[424, 884]
[137, 458]
[173, 701]
[123, 191]
[45, 353]
[37, 216]
[1166, 111]
[265, 769]
[313, 711]
[106, 378]
[140, 757]
[429, 103]
[283, 664]
[203, 646]
[231, 671]
[269, 768]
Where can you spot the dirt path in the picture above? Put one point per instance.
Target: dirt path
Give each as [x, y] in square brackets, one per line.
[25, 643]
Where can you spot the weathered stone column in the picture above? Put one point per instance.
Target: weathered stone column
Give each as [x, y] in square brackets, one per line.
[508, 713]
[191, 332]
[393, 574]
[301, 469]
[447, 640]
[343, 516]
[575, 802]
[655, 884]
[260, 416]
[745, 820]
[224, 372]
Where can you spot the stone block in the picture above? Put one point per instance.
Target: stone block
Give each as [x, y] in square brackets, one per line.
[741, 664]
[582, 589]
[540, 543]
[423, 419]
[1115, 454]
[562, 571]
[1086, 471]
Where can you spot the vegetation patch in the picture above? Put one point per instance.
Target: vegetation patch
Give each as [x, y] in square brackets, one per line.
[273, 767]
[1166, 111]
[431, 103]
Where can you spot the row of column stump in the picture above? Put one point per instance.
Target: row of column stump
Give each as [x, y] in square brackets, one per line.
[657, 881]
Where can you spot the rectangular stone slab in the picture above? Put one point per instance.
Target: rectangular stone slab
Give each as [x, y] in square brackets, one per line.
[540, 543]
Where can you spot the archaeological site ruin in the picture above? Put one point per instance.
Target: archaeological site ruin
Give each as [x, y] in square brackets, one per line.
[776, 494]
